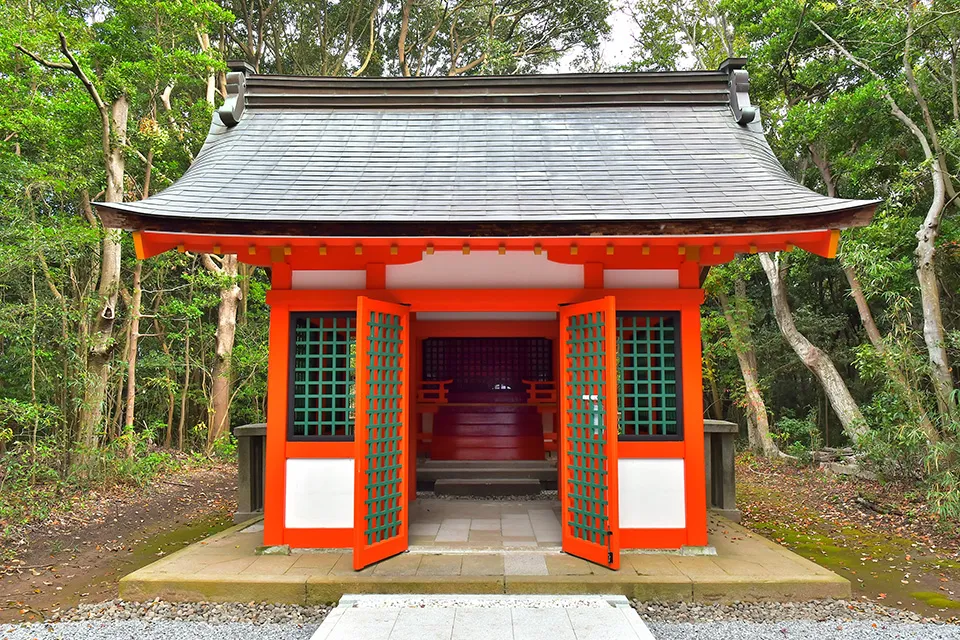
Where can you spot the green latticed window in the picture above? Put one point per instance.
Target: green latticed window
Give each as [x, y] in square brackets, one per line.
[648, 376]
[586, 458]
[323, 348]
[384, 443]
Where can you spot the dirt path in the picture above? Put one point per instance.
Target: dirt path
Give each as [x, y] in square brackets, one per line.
[903, 558]
[79, 556]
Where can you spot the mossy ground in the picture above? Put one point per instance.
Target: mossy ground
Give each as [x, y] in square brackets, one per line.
[881, 565]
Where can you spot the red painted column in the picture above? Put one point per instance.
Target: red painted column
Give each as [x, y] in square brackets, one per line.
[274, 491]
[694, 471]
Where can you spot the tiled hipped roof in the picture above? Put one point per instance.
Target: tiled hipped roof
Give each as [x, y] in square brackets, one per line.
[610, 153]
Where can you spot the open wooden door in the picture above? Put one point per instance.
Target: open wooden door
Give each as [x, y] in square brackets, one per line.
[382, 432]
[588, 432]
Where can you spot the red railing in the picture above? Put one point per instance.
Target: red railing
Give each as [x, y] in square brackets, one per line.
[541, 392]
[543, 395]
[433, 391]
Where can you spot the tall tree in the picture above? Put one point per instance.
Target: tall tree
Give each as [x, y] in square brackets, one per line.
[412, 37]
[119, 54]
[927, 236]
[737, 315]
[113, 134]
[812, 357]
[225, 270]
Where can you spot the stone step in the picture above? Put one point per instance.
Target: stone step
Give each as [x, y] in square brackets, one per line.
[494, 471]
[513, 464]
[490, 487]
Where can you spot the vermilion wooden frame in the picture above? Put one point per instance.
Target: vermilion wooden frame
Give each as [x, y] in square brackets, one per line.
[612, 252]
[686, 299]
[365, 554]
[486, 299]
[608, 556]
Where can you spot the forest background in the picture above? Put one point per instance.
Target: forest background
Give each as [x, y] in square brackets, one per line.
[114, 369]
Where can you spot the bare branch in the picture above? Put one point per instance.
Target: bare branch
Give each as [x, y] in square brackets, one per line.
[373, 14]
[42, 62]
[74, 67]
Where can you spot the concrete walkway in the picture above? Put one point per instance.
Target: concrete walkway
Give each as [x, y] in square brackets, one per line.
[226, 568]
[483, 617]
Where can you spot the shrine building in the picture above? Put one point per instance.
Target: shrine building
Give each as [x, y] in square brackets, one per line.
[486, 270]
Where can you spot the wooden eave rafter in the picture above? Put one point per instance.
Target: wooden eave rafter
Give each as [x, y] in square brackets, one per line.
[119, 217]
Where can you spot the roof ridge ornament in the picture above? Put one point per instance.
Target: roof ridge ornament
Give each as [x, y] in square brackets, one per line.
[232, 107]
[743, 112]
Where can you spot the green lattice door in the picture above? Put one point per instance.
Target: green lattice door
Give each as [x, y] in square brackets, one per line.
[588, 432]
[382, 432]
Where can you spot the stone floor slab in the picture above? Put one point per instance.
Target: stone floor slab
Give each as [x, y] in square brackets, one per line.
[427, 529]
[482, 565]
[405, 564]
[440, 565]
[485, 524]
[313, 563]
[225, 568]
[482, 624]
[445, 617]
[524, 564]
[454, 530]
[542, 624]
[564, 565]
[369, 624]
[600, 624]
[421, 623]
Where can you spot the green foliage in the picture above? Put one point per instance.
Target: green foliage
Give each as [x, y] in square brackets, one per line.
[830, 124]
[799, 436]
[225, 448]
[437, 37]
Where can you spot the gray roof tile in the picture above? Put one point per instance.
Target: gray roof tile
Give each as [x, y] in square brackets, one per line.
[632, 162]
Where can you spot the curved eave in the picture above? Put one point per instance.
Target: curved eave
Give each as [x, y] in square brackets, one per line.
[848, 213]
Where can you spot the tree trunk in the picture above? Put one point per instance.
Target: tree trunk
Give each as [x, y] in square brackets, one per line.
[818, 362]
[758, 422]
[933, 334]
[211, 75]
[896, 374]
[220, 391]
[101, 341]
[135, 298]
[181, 426]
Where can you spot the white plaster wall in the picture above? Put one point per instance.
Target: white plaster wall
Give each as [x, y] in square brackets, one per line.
[319, 493]
[463, 316]
[641, 278]
[652, 494]
[484, 270]
[320, 279]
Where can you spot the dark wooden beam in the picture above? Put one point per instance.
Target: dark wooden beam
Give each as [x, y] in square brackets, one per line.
[121, 219]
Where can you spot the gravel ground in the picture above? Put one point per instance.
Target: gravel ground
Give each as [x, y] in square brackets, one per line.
[806, 629]
[160, 620]
[812, 611]
[172, 630]
[205, 612]
[157, 630]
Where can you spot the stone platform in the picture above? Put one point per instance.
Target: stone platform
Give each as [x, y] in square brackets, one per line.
[226, 568]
